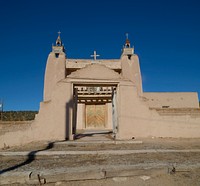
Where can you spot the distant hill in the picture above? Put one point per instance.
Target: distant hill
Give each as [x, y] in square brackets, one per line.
[18, 115]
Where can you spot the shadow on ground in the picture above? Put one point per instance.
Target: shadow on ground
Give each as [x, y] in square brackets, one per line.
[30, 158]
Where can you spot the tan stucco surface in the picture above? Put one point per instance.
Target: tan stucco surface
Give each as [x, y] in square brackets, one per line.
[81, 63]
[137, 120]
[95, 71]
[171, 99]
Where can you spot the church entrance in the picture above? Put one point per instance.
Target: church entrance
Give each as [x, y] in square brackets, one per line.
[95, 116]
[94, 108]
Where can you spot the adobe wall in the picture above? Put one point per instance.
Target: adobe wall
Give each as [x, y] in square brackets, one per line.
[50, 123]
[137, 120]
[54, 115]
[12, 126]
[171, 99]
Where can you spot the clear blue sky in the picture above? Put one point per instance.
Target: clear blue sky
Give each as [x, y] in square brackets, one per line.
[165, 34]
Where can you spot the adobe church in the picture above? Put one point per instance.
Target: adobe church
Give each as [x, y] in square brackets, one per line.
[94, 95]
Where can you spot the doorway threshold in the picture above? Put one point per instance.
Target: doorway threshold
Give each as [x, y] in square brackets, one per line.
[94, 135]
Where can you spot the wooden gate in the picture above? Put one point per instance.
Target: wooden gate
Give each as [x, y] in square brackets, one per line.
[96, 116]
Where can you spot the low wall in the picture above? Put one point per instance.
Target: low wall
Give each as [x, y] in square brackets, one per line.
[175, 123]
[13, 126]
[171, 99]
[136, 119]
[15, 133]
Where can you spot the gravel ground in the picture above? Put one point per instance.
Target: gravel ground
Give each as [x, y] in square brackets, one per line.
[155, 166]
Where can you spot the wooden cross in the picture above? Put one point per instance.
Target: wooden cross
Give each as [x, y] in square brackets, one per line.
[95, 55]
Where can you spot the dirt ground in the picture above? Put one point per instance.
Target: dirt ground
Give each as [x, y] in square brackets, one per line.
[145, 168]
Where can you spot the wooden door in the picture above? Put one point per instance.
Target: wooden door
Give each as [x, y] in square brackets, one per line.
[95, 116]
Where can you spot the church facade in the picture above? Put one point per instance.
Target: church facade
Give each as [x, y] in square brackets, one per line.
[92, 95]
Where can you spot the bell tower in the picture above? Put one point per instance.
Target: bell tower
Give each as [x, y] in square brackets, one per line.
[131, 66]
[59, 47]
[55, 68]
[127, 50]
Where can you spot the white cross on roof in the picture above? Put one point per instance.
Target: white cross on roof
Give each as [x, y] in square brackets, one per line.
[126, 35]
[95, 55]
